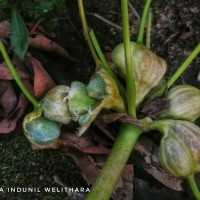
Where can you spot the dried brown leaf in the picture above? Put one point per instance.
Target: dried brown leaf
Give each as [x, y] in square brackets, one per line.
[96, 150]
[122, 117]
[85, 144]
[6, 75]
[38, 41]
[43, 43]
[154, 107]
[4, 29]
[42, 81]
[8, 124]
[124, 189]
[85, 163]
[8, 97]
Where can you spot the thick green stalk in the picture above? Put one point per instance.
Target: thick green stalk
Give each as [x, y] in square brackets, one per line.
[183, 67]
[143, 21]
[193, 186]
[16, 77]
[130, 79]
[107, 180]
[86, 32]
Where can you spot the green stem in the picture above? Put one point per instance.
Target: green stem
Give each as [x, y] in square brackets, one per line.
[183, 67]
[107, 180]
[99, 52]
[105, 64]
[143, 21]
[86, 32]
[148, 34]
[130, 83]
[16, 76]
[193, 186]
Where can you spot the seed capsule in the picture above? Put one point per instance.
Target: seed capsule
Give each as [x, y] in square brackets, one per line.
[39, 130]
[54, 105]
[184, 103]
[79, 101]
[179, 147]
[96, 88]
[148, 68]
[110, 99]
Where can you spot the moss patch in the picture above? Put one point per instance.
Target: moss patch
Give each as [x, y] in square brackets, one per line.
[20, 166]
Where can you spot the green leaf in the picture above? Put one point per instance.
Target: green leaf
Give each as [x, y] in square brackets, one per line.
[19, 36]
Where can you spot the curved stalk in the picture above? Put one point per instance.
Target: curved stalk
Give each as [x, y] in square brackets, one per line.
[99, 52]
[193, 186]
[183, 67]
[107, 180]
[130, 79]
[143, 21]
[148, 34]
[86, 32]
[16, 76]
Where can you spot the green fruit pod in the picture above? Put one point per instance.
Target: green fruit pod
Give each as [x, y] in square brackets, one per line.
[184, 103]
[179, 147]
[148, 68]
[54, 105]
[96, 87]
[79, 101]
[39, 130]
[108, 99]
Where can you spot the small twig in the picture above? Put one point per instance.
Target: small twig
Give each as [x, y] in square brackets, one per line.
[71, 23]
[34, 26]
[105, 20]
[134, 11]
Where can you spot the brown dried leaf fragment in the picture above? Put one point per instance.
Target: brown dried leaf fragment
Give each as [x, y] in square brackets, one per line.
[43, 43]
[8, 97]
[9, 123]
[6, 75]
[154, 107]
[42, 81]
[122, 117]
[85, 163]
[85, 144]
[125, 189]
[4, 29]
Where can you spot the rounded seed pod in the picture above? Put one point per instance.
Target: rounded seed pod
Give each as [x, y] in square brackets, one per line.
[148, 68]
[79, 101]
[54, 105]
[39, 130]
[184, 103]
[96, 88]
[175, 157]
[179, 147]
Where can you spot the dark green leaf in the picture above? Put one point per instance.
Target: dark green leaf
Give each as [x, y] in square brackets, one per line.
[19, 36]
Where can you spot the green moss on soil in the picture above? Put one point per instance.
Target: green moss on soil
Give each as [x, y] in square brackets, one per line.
[20, 166]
